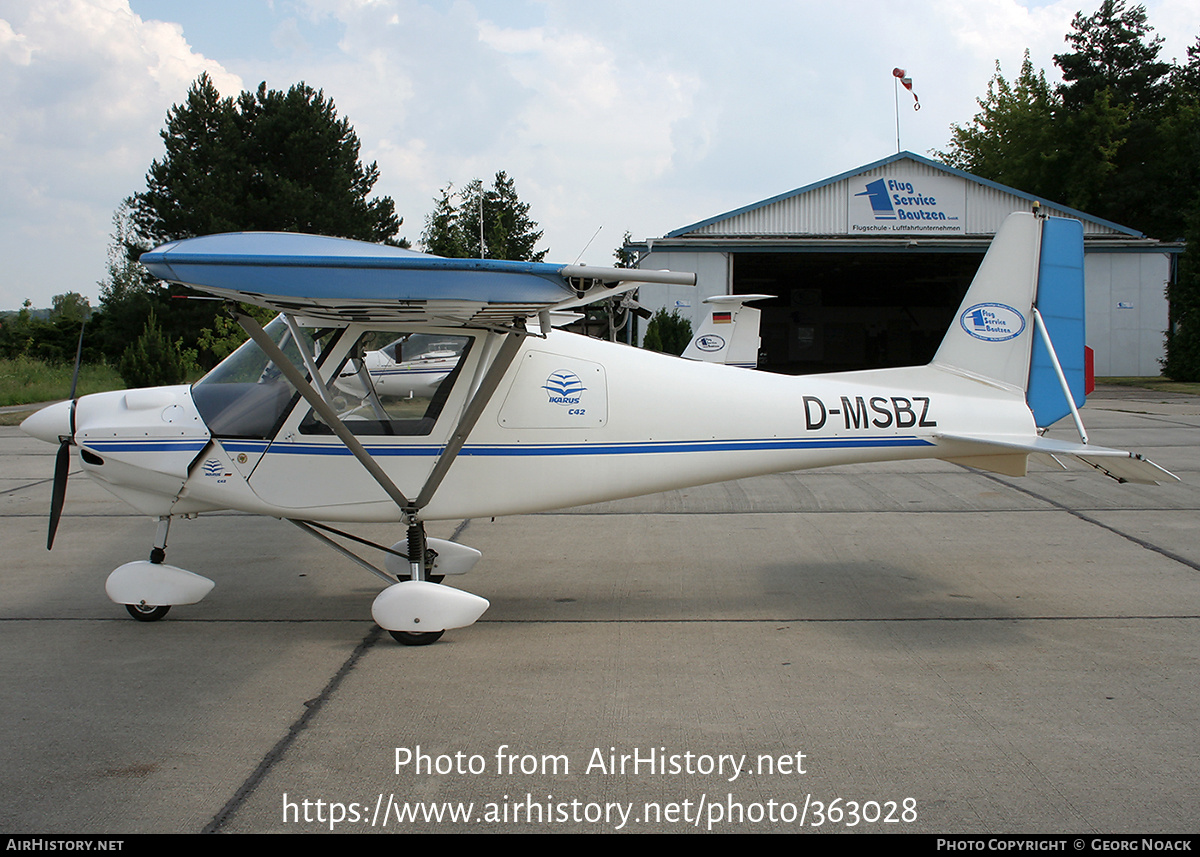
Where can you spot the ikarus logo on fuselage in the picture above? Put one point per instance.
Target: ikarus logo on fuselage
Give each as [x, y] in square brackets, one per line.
[564, 388]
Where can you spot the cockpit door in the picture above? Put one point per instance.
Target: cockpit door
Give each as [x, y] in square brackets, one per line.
[402, 412]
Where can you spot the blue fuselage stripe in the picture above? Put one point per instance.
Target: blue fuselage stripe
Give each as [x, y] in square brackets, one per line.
[633, 448]
[640, 448]
[145, 445]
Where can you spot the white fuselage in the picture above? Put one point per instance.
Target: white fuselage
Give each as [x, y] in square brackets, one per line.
[574, 420]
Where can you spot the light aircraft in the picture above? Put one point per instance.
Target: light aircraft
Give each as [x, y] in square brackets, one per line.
[728, 334]
[527, 421]
[414, 365]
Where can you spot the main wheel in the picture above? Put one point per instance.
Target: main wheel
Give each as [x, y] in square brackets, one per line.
[416, 638]
[147, 612]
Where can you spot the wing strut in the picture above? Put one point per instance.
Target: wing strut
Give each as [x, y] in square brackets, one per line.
[263, 341]
[309, 363]
[483, 395]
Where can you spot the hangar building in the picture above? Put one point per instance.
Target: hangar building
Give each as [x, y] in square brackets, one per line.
[869, 266]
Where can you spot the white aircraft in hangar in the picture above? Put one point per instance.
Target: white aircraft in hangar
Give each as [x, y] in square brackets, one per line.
[529, 418]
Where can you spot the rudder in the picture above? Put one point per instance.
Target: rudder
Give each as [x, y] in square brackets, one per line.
[1060, 303]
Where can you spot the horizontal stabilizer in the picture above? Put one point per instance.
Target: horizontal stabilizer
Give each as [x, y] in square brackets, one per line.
[1119, 464]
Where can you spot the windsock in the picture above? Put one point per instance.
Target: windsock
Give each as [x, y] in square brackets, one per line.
[903, 77]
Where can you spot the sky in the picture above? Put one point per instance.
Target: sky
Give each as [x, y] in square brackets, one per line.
[636, 116]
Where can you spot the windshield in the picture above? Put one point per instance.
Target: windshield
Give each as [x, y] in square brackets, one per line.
[247, 395]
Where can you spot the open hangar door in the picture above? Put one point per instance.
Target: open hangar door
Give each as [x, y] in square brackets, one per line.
[839, 311]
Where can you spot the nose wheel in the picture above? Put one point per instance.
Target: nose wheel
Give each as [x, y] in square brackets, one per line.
[148, 588]
[416, 638]
[147, 612]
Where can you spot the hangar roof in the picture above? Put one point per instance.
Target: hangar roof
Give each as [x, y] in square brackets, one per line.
[902, 196]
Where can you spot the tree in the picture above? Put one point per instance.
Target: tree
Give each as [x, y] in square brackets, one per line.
[1093, 139]
[1155, 180]
[153, 360]
[1025, 137]
[1011, 140]
[668, 333]
[1114, 93]
[626, 256]
[443, 235]
[267, 161]
[1181, 139]
[128, 294]
[71, 308]
[1183, 337]
[1113, 50]
[1119, 138]
[1093, 143]
[495, 214]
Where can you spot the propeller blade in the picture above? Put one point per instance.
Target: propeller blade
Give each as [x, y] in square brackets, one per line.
[75, 376]
[58, 493]
[62, 461]
[78, 357]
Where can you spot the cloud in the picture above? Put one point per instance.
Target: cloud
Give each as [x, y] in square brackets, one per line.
[638, 116]
[87, 83]
[445, 93]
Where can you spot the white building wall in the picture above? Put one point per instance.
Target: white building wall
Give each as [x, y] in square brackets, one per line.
[1127, 311]
[712, 278]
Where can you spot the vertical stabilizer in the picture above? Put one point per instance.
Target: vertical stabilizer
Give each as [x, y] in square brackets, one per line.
[992, 333]
[729, 332]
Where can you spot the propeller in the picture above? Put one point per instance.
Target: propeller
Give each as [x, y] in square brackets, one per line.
[62, 461]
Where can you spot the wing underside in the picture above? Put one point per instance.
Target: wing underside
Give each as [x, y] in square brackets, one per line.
[337, 280]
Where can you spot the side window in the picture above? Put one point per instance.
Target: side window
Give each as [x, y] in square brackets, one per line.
[246, 395]
[394, 384]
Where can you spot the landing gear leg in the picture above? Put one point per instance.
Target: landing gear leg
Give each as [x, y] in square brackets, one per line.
[417, 571]
[144, 612]
[159, 551]
[416, 548]
[148, 588]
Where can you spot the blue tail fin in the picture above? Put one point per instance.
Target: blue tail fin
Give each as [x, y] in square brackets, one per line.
[1060, 302]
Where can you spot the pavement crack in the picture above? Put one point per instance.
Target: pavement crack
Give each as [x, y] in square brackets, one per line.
[1089, 519]
[311, 708]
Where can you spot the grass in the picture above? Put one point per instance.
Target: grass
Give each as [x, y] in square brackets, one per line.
[1155, 385]
[25, 381]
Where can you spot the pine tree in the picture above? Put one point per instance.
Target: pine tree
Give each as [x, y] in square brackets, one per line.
[267, 161]
[495, 214]
[152, 360]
